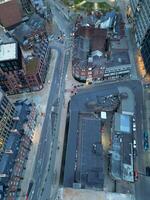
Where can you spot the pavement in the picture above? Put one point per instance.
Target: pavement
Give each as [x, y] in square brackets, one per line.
[85, 194]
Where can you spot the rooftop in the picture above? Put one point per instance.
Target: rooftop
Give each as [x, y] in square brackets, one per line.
[122, 123]
[96, 36]
[10, 13]
[31, 66]
[8, 51]
[34, 24]
[84, 153]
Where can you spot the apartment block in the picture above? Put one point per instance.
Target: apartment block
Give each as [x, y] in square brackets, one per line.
[7, 113]
[141, 18]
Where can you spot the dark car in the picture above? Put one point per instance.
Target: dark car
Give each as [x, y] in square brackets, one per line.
[147, 171]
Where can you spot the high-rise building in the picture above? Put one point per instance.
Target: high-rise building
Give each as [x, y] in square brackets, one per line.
[145, 51]
[7, 113]
[141, 17]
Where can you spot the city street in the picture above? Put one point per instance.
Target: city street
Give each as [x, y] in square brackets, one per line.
[46, 173]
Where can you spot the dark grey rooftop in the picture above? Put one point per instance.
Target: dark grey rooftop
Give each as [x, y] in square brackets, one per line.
[24, 29]
[122, 158]
[84, 154]
[123, 123]
[90, 153]
[11, 145]
[11, 141]
[23, 110]
[119, 57]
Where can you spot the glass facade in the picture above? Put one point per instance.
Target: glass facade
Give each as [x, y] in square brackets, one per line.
[145, 51]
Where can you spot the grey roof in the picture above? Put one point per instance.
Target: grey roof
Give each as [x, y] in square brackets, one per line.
[122, 158]
[84, 150]
[23, 110]
[91, 158]
[4, 163]
[11, 141]
[24, 29]
[122, 123]
[12, 144]
[118, 58]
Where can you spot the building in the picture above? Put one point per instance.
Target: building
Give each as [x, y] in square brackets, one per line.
[7, 113]
[90, 46]
[100, 48]
[84, 161]
[10, 57]
[122, 148]
[27, 6]
[27, 114]
[141, 11]
[24, 63]
[145, 51]
[16, 147]
[10, 13]
[30, 32]
[141, 18]
[12, 71]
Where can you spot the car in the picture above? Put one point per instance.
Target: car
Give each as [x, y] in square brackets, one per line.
[134, 143]
[135, 153]
[134, 129]
[147, 171]
[136, 175]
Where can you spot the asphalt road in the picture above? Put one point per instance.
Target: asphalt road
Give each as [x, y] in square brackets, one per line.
[44, 175]
[45, 159]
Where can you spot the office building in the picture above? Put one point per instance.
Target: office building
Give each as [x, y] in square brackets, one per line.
[145, 51]
[141, 17]
[19, 72]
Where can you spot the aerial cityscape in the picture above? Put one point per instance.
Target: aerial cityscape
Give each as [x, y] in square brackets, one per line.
[74, 99]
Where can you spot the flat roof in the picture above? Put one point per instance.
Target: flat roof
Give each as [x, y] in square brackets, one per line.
[84, 156]
[122, 123]
[8, 51]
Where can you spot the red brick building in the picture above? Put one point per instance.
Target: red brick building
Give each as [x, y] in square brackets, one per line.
[29, 75]
[89, 55]
[10, 13]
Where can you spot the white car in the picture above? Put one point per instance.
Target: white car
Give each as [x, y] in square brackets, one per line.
[134, 144]
[134, 129]
[134, 125]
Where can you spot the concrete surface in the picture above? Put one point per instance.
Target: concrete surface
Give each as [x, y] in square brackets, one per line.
[76, 194]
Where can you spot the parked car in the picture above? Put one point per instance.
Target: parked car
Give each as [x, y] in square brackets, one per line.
[136, 175]
[134, 143]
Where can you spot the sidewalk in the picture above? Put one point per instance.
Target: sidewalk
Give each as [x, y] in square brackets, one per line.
[40, 98]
